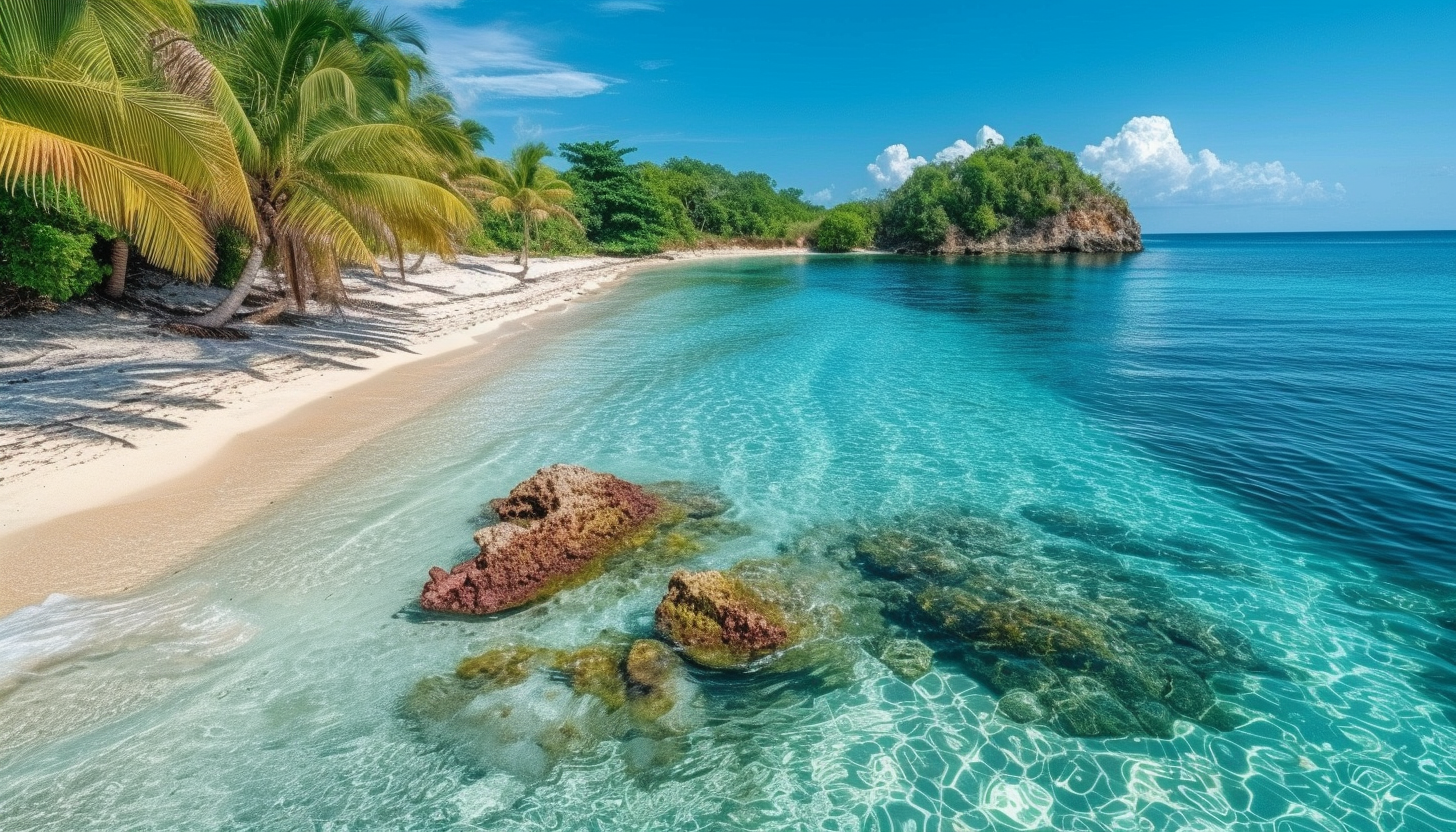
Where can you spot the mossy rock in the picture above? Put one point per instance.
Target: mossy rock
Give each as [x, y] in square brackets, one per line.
[905, 657]
[1105, 649]
[718, 621]
[499, 667]
[596, 670]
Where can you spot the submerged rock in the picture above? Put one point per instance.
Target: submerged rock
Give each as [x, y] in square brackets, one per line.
[718, 621]
[907, 658]
[522, 709]
[1102, 651]
[556, 530]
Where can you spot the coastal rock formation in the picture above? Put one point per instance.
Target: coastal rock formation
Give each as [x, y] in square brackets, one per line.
[718, 621]
[1066, 634]
[555, 530]
[1101, 224]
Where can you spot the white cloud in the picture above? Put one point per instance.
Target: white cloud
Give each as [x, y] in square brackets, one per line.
[495, 62]
[651, 66]
[956, 152]
[859, 193]
[892, 167]
[1147, 162]
[823, 197]
[621, 6]
[986, 136]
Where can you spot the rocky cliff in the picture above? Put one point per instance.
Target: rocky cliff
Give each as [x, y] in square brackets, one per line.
[1100, 224]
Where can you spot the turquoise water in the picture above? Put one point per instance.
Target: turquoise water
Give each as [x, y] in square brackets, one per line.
[1257, 427]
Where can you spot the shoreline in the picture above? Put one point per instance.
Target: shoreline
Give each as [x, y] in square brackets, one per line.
[196, 484]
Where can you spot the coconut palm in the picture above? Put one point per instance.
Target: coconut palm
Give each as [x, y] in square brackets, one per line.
[334, 181]
[526, 186]
[79, 107]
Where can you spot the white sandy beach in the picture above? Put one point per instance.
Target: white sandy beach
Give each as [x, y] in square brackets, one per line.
[124, 449]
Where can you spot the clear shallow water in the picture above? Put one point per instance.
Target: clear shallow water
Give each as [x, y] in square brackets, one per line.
[1279, 404]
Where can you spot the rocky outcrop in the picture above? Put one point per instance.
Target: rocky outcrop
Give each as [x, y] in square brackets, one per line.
[1101, 224]
[718, 621]
[556, 528]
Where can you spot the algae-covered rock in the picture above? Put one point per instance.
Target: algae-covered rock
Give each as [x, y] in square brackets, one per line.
[651, 665]
[1021, 706]
[718, 621]
[596, 670]
[522, 709]
[905, 657]
[501, 667]
[1104, 650]
[557, 530]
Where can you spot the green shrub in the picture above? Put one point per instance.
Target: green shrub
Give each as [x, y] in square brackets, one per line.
[233, 248]
[47, 242]
[501, 234]
[843, 230]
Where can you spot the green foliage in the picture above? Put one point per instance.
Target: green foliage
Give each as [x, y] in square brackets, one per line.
[642, 208]
[233, 248]
[616, 208]
[992, 189]
[46, 243]
[502, 233]
[916, 214]
[726, 204]
[847, 227]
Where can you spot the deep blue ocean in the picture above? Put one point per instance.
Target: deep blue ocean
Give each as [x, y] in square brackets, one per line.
[1255, 431]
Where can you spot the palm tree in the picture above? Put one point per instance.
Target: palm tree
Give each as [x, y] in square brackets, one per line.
[79, 107]
[334, 180]
[526, 186]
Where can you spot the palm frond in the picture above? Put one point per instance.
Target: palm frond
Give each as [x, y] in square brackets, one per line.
[154, 211]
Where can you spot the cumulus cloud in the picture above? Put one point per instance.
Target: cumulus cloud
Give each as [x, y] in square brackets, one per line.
[893, 166]
[956, 152]
[1147, 162]
[987, 136]
[823, 197]
[494, 62]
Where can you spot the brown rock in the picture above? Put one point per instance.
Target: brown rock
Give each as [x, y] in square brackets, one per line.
[1101, 224]
[556, 526]
[719, 621]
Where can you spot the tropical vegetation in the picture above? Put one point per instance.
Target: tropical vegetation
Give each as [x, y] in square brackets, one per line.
[526, 187]
[213, 138]
[990, 190]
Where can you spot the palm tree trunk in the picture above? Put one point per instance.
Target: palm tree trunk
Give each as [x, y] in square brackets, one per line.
[116, 283]
[415, 269]
[525, 244]
[223, 312]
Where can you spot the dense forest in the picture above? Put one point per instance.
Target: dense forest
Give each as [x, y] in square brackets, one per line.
[625, 207]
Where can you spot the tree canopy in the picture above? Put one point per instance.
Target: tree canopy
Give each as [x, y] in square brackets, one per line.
[992, 189]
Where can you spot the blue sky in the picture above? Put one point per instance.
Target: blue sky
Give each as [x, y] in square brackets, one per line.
[1318, 116]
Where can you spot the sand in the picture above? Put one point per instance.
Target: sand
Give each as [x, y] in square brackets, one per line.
[125, 450]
